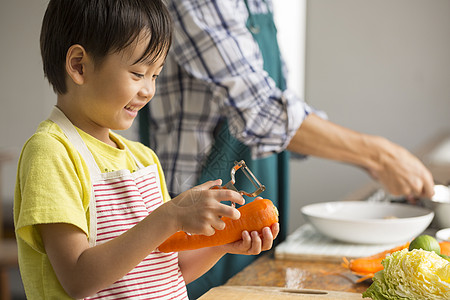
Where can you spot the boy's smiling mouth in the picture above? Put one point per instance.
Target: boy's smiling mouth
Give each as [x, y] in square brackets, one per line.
[132, 108]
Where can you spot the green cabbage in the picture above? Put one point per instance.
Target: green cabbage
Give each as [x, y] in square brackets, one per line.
[416, 274]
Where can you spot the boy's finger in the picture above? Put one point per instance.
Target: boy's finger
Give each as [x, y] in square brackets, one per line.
[218, 224]
[246, 242]
[257, 243]
[229, 195]
[275, 230]
[267, 238]
[209, 184]
[228, 211]
[209, 231]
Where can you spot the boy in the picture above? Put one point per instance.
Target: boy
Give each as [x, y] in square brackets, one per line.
[90, 206]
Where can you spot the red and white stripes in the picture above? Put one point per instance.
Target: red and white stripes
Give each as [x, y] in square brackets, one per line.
[121, 203]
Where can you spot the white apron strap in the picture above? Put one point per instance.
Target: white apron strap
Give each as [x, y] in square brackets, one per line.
[74, 137]
[138, 163]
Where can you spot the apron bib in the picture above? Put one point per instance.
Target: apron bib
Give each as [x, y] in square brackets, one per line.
[272, 171]
[120, 200]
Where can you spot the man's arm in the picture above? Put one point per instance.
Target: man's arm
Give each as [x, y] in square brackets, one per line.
[392, 165]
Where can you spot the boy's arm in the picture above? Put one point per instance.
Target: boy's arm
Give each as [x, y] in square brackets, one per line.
[195, 263]
[84, 270]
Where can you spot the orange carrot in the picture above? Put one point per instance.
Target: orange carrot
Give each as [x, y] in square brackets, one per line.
[365, 265]
[368, 266]
[389, 251]
[254, 217]
[445, 248]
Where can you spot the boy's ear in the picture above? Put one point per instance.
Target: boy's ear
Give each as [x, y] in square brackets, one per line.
[76, 59]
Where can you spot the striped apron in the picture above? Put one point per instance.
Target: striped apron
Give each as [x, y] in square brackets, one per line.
[120, 200]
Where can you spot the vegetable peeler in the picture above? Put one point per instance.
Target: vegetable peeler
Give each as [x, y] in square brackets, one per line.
[259, 188]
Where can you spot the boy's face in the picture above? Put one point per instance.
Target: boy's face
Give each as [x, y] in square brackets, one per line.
[114, 92]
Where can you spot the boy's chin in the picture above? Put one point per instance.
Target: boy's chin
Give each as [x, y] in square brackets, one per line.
[123, 127]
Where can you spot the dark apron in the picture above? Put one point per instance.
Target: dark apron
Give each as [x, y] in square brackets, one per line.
[272, 171]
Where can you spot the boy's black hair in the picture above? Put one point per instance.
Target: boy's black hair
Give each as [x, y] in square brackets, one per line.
[102, 27]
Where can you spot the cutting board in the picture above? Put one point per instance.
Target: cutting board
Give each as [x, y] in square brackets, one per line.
[273, 293]
[306, 243]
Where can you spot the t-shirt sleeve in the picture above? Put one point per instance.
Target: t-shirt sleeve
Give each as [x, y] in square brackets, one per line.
[51, 188]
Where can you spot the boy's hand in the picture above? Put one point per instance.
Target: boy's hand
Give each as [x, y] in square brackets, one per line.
[252, 243]
[199, 211]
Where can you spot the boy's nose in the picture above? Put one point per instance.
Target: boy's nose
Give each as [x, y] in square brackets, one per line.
[148, 90]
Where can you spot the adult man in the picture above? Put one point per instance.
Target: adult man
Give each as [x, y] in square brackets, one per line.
[222, 97]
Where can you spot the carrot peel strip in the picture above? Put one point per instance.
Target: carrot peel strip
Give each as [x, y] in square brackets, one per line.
[368, 266]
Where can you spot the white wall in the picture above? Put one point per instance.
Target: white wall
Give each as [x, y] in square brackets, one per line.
[25, 95]
[291, 30]
[382, 67]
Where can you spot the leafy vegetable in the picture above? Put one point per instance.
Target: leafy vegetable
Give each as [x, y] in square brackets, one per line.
[416, 274]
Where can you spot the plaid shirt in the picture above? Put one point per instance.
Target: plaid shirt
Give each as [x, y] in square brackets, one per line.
[214, 71]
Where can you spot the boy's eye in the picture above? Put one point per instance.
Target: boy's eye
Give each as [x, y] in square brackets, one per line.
[155, 76]
[138, 75]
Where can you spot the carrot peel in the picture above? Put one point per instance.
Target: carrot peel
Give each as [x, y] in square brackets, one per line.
[255, 216]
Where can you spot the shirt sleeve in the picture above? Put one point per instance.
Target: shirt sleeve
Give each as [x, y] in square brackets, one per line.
[51, 188]
[211, 43]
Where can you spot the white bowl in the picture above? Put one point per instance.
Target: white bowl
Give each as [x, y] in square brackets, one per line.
[364, 222]
[443, 235]
[440, 204]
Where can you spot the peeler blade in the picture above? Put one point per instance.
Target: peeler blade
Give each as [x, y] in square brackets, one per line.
[259, 188]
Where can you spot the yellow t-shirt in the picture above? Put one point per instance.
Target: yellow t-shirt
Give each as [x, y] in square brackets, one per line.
[53, 186]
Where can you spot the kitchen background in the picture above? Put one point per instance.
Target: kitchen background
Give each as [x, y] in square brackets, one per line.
[380, 67]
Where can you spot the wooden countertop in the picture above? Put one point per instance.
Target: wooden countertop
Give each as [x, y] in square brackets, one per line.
[268, 271]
